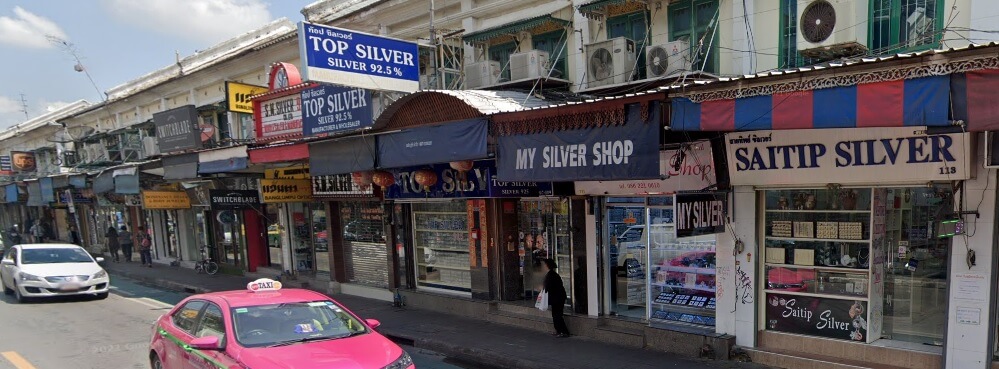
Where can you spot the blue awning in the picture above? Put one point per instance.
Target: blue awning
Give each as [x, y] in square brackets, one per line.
[223, 166]
[47, 190]
[354, 154]
[104, 182]
[127, 184]
[460, 140]
[12, 193]
[35, 194]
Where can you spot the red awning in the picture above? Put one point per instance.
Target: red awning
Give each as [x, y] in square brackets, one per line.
[279, 153]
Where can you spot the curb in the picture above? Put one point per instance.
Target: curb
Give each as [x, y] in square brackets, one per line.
[160, 282]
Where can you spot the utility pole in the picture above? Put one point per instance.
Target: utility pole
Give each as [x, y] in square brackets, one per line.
[24, 107]
[433, 41]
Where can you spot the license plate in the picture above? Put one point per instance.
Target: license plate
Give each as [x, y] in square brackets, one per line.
[69, 287]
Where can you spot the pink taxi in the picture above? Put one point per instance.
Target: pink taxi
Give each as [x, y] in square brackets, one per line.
[269, 327]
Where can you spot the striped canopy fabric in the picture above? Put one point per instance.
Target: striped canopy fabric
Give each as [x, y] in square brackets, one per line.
[974, 99]
[913, 102]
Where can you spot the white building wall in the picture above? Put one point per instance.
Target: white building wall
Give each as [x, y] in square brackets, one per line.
[735, 282]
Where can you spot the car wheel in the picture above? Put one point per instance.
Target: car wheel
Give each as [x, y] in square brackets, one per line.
[17, 295]
[6, 290]
[101, 296]
[154, 361]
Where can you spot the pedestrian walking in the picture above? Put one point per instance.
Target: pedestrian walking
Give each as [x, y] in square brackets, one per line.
[112, 240]
[125, 239]
[556, 297]
[74, 236]
[14, 235]
[37, 232]
[145, 247]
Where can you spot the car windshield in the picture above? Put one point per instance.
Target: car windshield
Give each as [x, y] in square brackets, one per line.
[54, 256]
[290, 323]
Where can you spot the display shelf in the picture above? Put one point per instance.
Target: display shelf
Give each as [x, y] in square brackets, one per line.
[819, 211]
[816, 239]
[819, 267]
[438, 266]
[695, 288]
[681, 308]
[822, 295]
[464, 251]
[439, 283]
[682, 269]
[441, 230]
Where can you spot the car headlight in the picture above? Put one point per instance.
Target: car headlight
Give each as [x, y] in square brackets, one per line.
[30, 277]
[403, 362]
[100, 274]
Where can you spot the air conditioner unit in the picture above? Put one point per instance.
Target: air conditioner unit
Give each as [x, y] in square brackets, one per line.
[482, 74]
[70, 159]
[829, 29]
[664, 60]
[610, 62]
[149, 146]
[533, 64]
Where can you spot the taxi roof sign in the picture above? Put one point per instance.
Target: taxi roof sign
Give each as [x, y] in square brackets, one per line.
[263, 284]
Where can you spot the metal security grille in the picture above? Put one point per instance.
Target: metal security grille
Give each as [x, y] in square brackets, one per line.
[366, 256]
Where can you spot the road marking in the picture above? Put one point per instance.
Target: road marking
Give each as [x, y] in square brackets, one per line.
[121, 291]
[18, 361]
[150, 302]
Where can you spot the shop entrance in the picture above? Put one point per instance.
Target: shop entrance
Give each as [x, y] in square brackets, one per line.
[625, 228]
[544, 233]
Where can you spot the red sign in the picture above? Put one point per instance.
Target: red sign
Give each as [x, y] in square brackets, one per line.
[278, 114]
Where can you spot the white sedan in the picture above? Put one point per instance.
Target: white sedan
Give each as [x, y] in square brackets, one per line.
[52, 269]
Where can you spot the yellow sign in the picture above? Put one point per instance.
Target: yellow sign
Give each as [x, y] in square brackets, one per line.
[165, 200]
[238, 96]
[296, 172]
[285, 190]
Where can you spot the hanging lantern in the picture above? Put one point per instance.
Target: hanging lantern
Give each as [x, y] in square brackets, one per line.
[462, 167]
[426, 178]
[383, 179]
[362, 179]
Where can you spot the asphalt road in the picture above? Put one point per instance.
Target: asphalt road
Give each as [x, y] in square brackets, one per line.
[82, 333]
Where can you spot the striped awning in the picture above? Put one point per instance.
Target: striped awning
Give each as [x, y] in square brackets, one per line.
[512, 28]
[594, 9]
[973, 99]
[911, 102]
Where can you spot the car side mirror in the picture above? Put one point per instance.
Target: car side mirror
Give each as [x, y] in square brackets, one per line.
[373, 323]
[6, 262]
[99, 259]
[205, 343]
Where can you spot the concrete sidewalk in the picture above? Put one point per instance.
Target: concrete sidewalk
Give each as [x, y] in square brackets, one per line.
[481, 343]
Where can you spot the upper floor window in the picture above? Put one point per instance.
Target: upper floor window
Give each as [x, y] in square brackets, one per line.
[694, 21]
[554, 44]
[501, 53]
[905, 25]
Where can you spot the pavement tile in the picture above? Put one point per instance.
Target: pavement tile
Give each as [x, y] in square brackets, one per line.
[484, 344]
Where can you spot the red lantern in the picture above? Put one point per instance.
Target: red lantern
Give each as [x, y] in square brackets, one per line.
[383, 179]
[362, 179]
[462, 167]
[426, 178]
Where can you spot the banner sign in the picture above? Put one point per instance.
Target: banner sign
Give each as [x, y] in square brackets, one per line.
[285, 190]
[628, 151]
[165, 200]
[702, 213]
[281, 116]
[339, 185]
[357, 59]
[23, 161]
[177, 129]
[480, 181]
[5, 165]
[816, 316]
[695, 172]
[462, 140]
[234, 199]
[847, 156]
[78, 198]
[333, 109]
[238, 96]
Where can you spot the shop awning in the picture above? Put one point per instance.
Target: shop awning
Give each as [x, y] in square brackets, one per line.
[352, 154]
[180, 167]
[35, 194]
[912, 102]
[12, 193]
[973, 99]
[78, 180]
[60, 181]
[223, 160]
[104, 182]
[595, 9]
[461, 140]
[279, 153]
[514, 27]
[47, 191]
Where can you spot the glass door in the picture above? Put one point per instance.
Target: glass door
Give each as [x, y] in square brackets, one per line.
[544, 233]
[627, 242]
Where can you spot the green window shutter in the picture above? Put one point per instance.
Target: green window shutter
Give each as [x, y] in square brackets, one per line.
[691, 20]
[555, 44]
[902, 26]
[501, 53]
[635, 27]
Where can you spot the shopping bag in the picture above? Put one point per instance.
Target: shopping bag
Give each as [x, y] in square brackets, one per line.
[542, 302]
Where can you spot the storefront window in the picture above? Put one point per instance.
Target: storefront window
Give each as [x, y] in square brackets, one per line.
[320, 237]
[365, 253]
[820, 279]
[301, 237]
[626, 233]
[544, 233]
[274, 231]
[441, 244]
[683, 288]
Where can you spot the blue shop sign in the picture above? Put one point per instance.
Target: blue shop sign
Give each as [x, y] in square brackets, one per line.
[78, 198]
[351, 58]
[480, 181]
[461, 140]
[334, 109]
[628, 151]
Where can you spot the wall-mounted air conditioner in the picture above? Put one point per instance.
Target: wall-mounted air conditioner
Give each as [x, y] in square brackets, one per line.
[665, 60]
[610, 62]
[482, 74]
[533, 64]
[149, 146]
[829, 29]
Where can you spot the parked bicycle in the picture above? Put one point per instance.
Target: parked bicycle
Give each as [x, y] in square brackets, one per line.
[206, 265]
